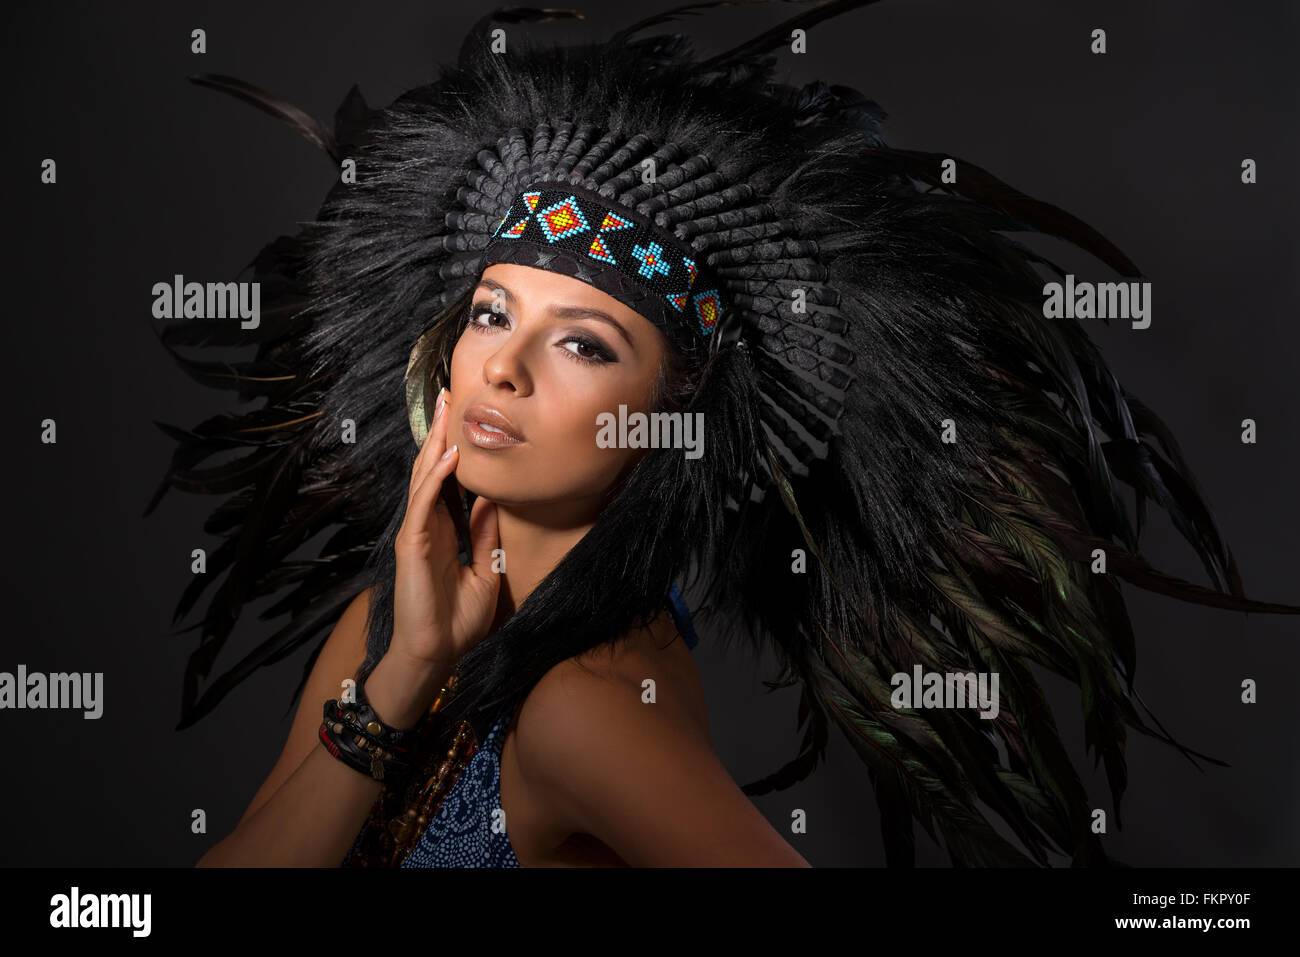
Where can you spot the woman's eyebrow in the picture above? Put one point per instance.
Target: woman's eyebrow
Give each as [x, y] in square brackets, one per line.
[566, 312]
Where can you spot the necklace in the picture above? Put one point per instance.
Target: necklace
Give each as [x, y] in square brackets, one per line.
[404, 808]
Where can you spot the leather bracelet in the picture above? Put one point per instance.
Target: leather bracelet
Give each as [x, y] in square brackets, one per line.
[361, 718]
[349, 731]
[354, 735]
[359, 752]
[349, 757]
[373, 726]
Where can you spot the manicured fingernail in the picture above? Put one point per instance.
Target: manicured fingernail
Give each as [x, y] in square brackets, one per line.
[449, 451]
[441, 402]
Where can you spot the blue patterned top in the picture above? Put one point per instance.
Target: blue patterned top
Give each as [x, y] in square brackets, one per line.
[461, 833]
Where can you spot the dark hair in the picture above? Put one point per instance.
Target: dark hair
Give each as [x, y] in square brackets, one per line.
[678, 380]
[676, 385]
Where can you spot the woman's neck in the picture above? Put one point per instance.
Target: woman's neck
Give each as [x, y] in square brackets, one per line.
[534, 539]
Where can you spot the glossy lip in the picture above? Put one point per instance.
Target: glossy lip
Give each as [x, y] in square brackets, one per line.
[484, 439]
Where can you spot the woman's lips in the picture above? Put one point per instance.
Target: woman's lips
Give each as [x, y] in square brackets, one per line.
[483, 436]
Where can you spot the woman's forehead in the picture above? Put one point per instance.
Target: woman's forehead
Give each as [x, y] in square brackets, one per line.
[546, 288]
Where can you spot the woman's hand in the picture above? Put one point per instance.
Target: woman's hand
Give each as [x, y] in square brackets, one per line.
[441, 608]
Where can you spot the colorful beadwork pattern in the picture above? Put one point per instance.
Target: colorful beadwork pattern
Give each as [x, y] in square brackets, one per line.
[561, 217]
[708, 307]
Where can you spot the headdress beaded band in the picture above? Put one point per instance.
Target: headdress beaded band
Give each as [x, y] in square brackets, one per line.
[577, 231]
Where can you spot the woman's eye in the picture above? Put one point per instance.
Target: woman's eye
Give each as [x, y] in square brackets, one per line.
[478, 313]
[587, 350]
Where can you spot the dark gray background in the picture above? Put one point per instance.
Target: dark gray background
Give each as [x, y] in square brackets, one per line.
[157, 176]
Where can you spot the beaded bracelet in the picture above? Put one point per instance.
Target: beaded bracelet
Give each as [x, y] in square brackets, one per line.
[367, 741]
[361, 718]
[371, 747]
[349, 753]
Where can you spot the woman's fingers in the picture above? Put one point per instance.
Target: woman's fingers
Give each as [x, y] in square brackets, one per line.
[430, 451]
[418, 517]
[437, 439]
[429, 471]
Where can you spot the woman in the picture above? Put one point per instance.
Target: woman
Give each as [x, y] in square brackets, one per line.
[569, 794]
[905, 469]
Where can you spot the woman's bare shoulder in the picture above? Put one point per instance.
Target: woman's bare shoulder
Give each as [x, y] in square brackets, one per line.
[608, 697]
[608, 745]
[650, 665]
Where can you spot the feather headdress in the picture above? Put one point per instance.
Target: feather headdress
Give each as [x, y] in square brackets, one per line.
[894, 407]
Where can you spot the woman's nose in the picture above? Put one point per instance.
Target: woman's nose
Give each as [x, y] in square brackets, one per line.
[508, 363]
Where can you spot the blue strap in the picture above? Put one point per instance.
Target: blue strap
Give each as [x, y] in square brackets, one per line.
[682, 615]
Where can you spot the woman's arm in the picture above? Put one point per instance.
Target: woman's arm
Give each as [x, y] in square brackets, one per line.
[641, 778]
[312, 806]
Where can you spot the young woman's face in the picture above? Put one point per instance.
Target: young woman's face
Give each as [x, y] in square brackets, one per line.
[537, 351]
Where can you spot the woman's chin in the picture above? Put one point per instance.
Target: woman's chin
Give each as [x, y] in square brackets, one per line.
[504, 489]
[509, 480]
